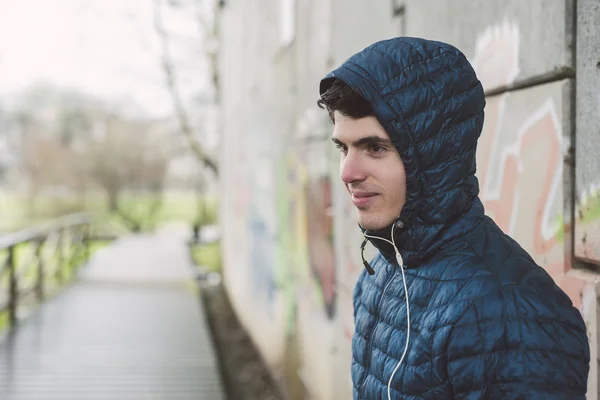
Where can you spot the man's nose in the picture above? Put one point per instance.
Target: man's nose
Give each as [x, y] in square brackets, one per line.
[352, 168]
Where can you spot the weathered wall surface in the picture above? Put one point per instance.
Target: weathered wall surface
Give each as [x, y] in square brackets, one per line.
[587, 229]
[291, 244]
[533, 37]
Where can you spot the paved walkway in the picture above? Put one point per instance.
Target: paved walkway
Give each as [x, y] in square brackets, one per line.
[131, 328]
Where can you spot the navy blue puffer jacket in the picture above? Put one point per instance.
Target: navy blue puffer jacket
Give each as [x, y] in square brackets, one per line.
[485, 321]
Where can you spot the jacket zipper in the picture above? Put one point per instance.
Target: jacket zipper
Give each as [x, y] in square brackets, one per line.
[370, 344]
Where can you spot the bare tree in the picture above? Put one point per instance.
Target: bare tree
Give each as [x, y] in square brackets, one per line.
[50, 168]
[129, 157]
[70, 145]
[209, 29]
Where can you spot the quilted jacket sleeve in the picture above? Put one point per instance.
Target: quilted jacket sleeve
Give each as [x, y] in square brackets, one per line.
[519, 344]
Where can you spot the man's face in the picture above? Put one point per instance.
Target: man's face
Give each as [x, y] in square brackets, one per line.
[371, 169]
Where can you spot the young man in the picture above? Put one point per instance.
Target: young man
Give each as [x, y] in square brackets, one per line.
[451, 308]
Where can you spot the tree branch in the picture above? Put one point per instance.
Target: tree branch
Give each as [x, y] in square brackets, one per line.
[210, 33]
[182, 116]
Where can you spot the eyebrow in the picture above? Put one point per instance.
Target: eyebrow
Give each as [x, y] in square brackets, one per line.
[365, 141]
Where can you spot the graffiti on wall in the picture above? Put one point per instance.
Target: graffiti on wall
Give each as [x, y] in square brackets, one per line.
[520, 156]
[305, 224]
[262, 278]
[520, 178]
[249, 242]
[320, 238]
[291, 247]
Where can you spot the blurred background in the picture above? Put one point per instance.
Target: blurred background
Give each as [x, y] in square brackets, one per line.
[106, 107]
[196, 121]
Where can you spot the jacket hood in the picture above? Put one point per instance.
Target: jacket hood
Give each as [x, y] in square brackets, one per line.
[427, 97]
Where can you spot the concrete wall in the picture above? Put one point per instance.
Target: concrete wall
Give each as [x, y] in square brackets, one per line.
[291, 243]
[533, 37]
[587, 229]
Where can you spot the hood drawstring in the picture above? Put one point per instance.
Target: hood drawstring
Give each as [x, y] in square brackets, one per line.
[371, 272]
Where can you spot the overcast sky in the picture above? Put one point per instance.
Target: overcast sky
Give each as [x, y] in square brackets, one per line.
[106, 47]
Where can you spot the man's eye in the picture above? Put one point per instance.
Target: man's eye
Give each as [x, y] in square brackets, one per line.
[377, 149]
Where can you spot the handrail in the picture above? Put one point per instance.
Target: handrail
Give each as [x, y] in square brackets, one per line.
[73, 227]
[30, 234]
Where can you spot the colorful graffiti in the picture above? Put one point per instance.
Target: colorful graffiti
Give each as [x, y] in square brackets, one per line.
[522, 188]
[304, 252]
[306, 227]
[263, 285]
[291, 239]
[520, 157]
[320, 239]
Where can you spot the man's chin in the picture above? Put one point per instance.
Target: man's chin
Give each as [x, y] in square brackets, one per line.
[372, 223]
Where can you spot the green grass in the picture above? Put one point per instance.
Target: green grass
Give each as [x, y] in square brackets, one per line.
[208, 255]
[18, 212]
[186, 207]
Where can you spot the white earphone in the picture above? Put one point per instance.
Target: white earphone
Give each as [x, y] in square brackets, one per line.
[401, 264]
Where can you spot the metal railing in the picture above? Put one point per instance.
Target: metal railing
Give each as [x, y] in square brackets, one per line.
[38, 260]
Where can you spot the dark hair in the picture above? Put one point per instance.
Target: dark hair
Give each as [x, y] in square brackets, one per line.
[343, 99]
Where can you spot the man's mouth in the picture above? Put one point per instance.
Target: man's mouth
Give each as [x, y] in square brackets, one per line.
[362, 199]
